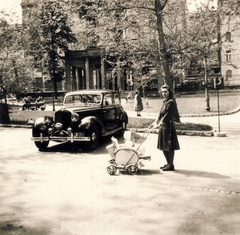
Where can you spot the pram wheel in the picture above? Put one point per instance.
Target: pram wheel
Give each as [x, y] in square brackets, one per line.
[132, 169]
[111, 169]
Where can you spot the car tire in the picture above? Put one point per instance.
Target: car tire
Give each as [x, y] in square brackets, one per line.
[124, 127]
[41, 146]
[94, 138]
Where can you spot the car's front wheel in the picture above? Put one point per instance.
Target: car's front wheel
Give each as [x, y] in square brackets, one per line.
[40, 145]
[94, 138]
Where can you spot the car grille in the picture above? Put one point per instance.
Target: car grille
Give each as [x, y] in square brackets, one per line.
[63, 117]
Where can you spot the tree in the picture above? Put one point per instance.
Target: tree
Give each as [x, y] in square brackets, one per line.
[15, 69]
[126, 33]
[50, 36]
[165, 33]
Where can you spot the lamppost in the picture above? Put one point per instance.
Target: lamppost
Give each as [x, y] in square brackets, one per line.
[206, 85]
[52, 74]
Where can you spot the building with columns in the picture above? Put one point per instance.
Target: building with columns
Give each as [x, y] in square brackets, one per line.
[84, 66]
[86, 69]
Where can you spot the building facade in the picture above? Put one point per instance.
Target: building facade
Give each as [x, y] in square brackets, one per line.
[230, 51]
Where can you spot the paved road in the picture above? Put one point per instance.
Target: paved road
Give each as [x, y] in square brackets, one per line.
[68, 191]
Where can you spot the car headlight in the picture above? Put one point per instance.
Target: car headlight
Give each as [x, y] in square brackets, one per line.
[69, 130]
[48, 119]
[74, 117]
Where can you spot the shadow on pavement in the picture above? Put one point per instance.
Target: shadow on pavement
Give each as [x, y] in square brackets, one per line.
[74, 148]
[141, 172]
[202, 174]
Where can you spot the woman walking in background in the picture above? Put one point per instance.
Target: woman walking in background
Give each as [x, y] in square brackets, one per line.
[167, 136]
[138, 105]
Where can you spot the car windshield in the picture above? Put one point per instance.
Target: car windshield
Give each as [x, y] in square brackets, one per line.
[83, 100]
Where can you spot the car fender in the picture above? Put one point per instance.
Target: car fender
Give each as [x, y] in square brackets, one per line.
[87, 122]
[124, 117]
[40, 124]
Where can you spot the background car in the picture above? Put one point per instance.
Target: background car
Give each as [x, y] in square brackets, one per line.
[85, 117]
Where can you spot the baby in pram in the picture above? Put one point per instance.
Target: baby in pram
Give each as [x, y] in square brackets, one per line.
[128, 156]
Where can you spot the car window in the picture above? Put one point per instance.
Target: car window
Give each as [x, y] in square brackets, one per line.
[107, 100]
[83, 99]
[96, 99]
[72, 99]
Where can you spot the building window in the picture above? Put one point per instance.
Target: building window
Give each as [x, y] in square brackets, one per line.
[228, 37]
[228, 75]
[228, 56]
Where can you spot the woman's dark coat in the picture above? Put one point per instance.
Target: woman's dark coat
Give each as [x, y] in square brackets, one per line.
[167, 136]
[138, 105]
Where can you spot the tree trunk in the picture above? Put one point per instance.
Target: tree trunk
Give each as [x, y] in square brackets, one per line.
[163, 51]
[163, 48]
[55, 84]
[4, 114]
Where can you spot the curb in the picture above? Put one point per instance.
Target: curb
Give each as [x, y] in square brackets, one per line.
[179, 132]
[140, 130]
[213, 114]
[16, 126]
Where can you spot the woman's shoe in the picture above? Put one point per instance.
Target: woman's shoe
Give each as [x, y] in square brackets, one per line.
[168, 168]
[161, 167]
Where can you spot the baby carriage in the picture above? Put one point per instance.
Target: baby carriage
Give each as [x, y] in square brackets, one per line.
[128, 157]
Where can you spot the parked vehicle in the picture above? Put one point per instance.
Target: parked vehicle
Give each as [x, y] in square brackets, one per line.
[30, 104]
[85, 117]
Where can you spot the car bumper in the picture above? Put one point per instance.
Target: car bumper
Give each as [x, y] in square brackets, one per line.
[61, 138]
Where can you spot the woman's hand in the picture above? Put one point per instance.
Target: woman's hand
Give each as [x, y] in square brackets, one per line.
[153, 125]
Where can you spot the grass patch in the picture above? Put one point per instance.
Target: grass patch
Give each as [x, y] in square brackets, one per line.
[186, 126]
[193, 104]
[21, 117]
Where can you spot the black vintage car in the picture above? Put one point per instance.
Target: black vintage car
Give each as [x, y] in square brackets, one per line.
[85, 117]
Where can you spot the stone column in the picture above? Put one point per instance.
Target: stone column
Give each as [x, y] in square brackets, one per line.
[119, 85]
[103, 82]
[68, 84]
[87, 73]
[74, 80]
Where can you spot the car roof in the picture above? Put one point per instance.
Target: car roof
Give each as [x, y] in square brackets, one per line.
[90, 92]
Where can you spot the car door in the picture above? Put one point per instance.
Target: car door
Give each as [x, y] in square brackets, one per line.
[118, 108]
[109, 117]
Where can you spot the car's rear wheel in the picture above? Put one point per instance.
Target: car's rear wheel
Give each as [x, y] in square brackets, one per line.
[94, 138]
[123, 128]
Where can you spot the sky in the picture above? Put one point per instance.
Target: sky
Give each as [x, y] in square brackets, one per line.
[192, 3]
[13, 8]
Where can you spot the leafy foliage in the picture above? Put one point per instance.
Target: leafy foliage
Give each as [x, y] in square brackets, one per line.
[14, 66]
[50, 36]
[161, 33]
